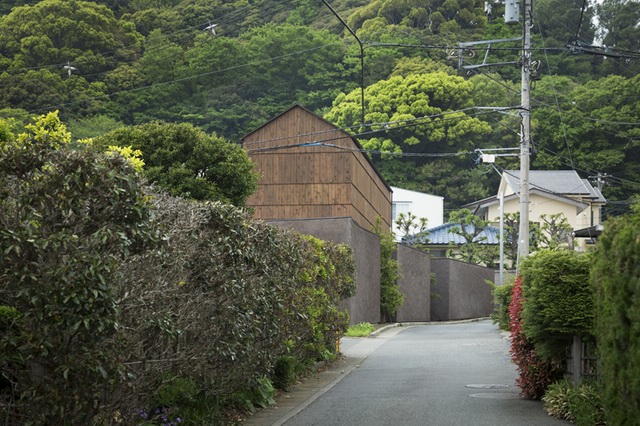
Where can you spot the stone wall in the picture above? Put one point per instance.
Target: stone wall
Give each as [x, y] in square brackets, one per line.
[461, 290]
[415, 267]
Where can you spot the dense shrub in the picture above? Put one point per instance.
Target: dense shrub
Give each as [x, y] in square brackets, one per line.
[68, 217]
[391, 298]
[534, 374]
[581, 405]
[225, 299]
[558, 301]
[119, 305]
[616, 277]
[502, 299]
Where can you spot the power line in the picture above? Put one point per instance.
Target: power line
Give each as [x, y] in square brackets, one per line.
[555, 93]
[277, 7]
[178, 80]
[384, 126]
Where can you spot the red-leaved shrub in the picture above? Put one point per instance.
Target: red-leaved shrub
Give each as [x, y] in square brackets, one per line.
[534, 374]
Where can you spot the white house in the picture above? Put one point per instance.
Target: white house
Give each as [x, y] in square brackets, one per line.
[419, 204]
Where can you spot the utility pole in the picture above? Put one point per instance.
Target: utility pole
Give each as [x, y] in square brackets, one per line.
[525, 137]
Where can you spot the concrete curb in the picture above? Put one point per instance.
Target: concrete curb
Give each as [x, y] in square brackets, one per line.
[410, 324]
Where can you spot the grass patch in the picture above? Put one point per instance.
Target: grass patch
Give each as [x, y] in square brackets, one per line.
[360, 330]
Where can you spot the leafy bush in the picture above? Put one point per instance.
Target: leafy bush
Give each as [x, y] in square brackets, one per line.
[502, 299]
[391, 298]
[68, 218]
[226, 298]
[93, 322]
[284, 372]
[360, 330]
[558, 301]
[581, 405]
[534, 374]
[616, 279]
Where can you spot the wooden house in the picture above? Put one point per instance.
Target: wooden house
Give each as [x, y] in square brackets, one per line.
[312, 169]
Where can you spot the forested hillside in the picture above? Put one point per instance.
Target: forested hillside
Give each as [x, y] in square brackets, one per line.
[228, 66]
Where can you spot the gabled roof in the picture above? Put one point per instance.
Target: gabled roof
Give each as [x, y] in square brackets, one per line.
[442, 235]
[559, 182]
[478, 207]
[355, 141]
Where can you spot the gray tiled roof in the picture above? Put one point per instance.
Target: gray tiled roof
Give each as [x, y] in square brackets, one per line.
[566, 182]
[442, 235]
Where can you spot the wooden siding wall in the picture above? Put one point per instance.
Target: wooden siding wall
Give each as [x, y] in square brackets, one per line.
[314, 181]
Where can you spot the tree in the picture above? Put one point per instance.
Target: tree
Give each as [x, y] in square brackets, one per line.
[57, 31]
[593, 128]
[474, 248]
[555, 232]
[410, 227]
[619, 29]
[188, 162]
[420, 112]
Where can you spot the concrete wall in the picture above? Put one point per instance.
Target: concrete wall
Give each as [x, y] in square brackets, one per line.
[365, 305]
[462, 292]
[415, 266]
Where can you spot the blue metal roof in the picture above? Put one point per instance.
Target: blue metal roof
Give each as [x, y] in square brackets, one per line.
[442, 235]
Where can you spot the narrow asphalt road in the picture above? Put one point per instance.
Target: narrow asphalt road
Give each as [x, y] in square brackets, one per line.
[448, 374]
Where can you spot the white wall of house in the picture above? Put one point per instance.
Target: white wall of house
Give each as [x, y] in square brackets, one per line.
[418, 204]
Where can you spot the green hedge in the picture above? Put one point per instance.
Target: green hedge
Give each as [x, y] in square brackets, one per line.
[616, 278]
[68, 217]
[558, 301]
[115, 298]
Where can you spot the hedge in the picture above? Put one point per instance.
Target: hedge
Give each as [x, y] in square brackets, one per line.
[616, 279]
[558, 301]
[118, 298]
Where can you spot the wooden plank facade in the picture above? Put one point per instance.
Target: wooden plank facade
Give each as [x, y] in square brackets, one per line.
[327, 177]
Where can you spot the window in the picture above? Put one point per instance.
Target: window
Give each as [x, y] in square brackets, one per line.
[400, 207]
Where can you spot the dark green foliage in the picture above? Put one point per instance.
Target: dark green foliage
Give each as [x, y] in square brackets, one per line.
[502, 299]
[225, 299]
[68, 217]
[86, 309]
[581, 406]
[558, 300]
[391, 298]
[187, 162]
[616, 278]
[284, 372]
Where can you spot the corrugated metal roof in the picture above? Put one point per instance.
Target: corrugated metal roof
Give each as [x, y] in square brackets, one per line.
[442, 235]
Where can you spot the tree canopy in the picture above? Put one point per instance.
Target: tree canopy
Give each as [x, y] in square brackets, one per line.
[187, 162]
[137, 61]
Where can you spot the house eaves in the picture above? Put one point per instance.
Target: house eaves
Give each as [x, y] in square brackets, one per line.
[479, 207]
[442, 236]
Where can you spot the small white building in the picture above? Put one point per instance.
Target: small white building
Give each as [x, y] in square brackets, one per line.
[419, 204]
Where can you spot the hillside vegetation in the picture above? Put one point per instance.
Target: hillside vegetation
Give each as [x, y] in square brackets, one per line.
[228, 66]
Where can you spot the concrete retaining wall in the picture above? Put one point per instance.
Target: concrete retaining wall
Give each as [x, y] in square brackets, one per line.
[461, 290]
[365, 305]
[415, 267]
